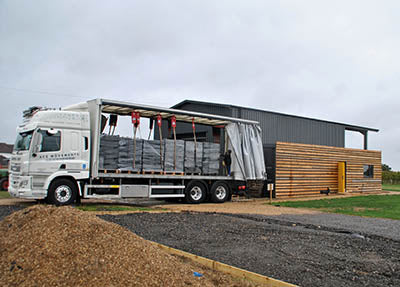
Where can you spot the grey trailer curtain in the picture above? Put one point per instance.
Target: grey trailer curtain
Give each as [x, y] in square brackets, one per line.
[247, 151]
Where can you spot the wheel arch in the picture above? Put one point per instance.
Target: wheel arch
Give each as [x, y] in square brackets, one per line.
[68, 177]
[203, 182]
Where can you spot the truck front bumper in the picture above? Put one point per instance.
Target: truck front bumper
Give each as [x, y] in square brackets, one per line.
[21, 187]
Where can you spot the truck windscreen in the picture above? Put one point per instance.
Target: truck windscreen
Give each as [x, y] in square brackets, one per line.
[23, 141]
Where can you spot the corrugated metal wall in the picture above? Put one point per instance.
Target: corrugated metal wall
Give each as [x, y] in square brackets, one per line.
[208, 109]
[276, 127]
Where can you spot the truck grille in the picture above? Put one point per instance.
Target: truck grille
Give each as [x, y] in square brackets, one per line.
[16, 167]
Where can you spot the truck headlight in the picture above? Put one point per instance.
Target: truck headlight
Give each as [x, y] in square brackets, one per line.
[24, 183]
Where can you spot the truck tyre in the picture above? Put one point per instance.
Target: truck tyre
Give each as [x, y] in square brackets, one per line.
[220, 192]
[4, 184]
[62, 192]
[195, 192]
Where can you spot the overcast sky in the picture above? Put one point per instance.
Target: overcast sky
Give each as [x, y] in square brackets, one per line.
[333, 60]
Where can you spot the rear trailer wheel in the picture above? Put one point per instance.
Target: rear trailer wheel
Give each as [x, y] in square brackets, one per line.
[220, 192]
[4, 184]
[62, 192]
[195, 192]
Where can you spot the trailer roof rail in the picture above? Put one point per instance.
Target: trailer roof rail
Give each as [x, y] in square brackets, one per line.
[125, 108]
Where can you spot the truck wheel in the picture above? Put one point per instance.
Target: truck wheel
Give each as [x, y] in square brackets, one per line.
[4, 184]
[195, 192]
[220, 192]
[62, 192]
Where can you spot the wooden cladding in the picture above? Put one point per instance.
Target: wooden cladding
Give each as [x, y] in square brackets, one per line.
[303, 169]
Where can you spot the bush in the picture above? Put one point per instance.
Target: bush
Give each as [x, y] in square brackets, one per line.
[391, 177]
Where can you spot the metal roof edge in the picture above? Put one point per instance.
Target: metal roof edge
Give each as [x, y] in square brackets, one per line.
[346, 126]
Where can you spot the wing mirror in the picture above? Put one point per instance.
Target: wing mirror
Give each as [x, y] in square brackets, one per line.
[37, 143]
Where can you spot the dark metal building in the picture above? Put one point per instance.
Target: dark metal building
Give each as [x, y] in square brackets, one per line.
[275, 127]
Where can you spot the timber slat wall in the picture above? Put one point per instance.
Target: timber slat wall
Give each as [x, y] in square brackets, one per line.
[303, 169]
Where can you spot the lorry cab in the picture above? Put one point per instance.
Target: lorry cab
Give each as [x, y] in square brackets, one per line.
[51, 153]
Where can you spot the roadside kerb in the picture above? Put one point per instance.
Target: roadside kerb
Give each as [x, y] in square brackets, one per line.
[222, 267]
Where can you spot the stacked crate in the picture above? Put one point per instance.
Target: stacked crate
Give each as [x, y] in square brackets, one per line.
[151, 156]
[109, 152]
[211, 158]
[169, 158]
[118, 153]
[127, 154]
[193, 157]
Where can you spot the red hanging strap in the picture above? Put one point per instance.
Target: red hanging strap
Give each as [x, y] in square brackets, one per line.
[195, 142]
[159, 120]
[133, 117]
[137, 116]
[173, 122]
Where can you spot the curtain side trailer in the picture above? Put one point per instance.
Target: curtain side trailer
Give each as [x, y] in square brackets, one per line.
[64, 155]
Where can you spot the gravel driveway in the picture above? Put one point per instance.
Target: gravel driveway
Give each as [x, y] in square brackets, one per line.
[388, 228]
[308, 253]
[304, 249]
[6, 210]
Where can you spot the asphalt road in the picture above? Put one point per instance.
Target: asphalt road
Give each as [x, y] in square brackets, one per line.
[368, 226]
[304, 254]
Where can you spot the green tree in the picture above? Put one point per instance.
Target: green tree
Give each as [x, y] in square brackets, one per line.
[385, 167]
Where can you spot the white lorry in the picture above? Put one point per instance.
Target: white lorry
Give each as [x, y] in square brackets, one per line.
[57, 156]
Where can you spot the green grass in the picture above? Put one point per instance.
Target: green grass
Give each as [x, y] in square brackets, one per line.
[4, 194]
[101, 207]
[383, 206]
[391, 187]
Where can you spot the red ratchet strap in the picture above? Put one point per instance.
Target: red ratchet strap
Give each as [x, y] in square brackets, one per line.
[159, 120]
[159, 123]
[173, 122]
[135, 119]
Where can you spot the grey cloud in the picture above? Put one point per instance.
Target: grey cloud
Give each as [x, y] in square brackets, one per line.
[331, 60]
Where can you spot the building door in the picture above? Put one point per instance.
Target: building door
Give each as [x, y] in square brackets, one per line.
[341, 176]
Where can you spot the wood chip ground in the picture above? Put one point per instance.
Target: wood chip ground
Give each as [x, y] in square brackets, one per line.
[61, 246]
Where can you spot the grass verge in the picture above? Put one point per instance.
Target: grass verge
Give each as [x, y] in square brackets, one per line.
[4, 194]
[382, 206]
[102, 207]
[391, 187]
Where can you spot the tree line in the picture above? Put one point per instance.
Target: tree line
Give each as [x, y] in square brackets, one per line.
[389, 176]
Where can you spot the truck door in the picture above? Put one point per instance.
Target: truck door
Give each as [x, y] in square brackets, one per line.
[45, 157]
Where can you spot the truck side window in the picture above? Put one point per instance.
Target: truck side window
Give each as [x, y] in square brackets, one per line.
[86, 143]
[50, 141]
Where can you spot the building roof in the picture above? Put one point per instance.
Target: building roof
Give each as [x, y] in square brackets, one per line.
[6, 148]
[3, 161]
[5, 155]
[347, 126]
